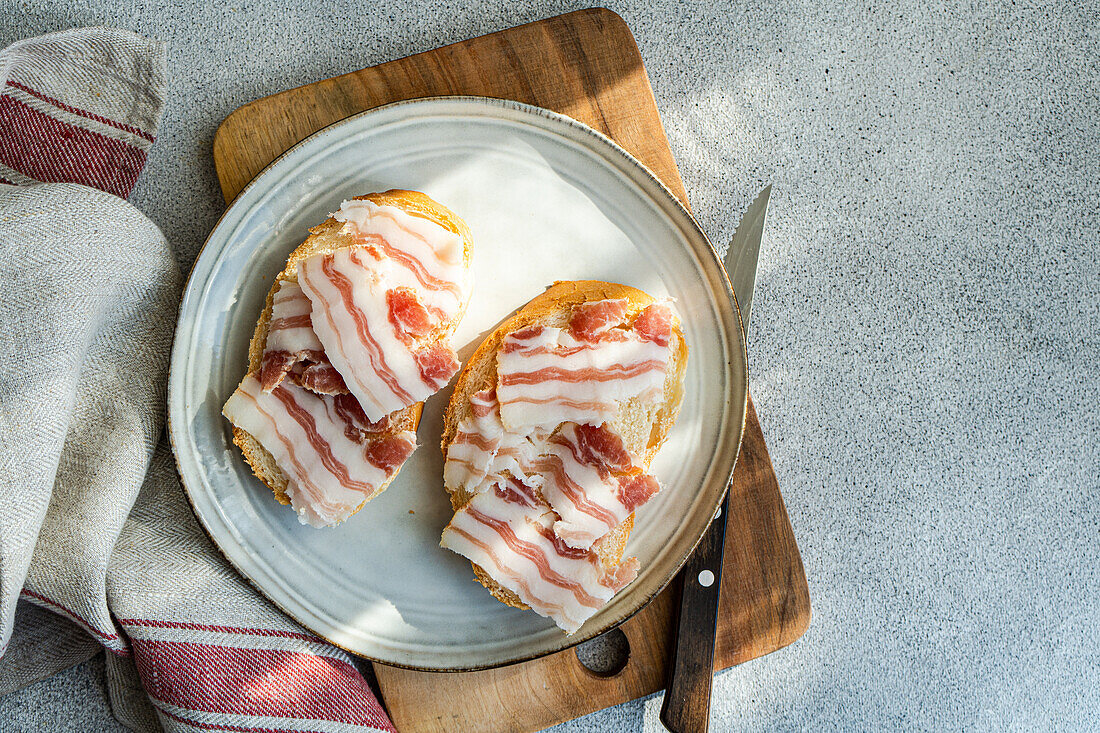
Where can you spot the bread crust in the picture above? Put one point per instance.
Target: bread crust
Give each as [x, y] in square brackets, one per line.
[552, 308]
[326, 238]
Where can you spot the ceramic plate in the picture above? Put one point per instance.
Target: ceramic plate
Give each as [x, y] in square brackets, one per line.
[547, 199]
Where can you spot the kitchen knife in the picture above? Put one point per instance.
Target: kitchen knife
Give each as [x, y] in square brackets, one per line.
[686, 708]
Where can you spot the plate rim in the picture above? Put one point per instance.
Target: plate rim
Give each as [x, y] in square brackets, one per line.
[178, 358]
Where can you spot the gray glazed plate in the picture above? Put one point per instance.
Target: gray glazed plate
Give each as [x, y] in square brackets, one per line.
[547, 199]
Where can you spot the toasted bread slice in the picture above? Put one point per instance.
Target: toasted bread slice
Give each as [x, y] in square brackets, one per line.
[326, 238]
[643, 427]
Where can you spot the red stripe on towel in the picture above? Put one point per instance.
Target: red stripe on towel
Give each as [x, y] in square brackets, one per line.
[262, 682]
[46, 149]
[82, 113]
[151, 623]
[112, 641]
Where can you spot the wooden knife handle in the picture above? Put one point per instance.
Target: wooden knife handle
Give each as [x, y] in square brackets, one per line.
[686, 708]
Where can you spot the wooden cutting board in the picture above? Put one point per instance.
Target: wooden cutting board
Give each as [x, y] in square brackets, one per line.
[585, 65]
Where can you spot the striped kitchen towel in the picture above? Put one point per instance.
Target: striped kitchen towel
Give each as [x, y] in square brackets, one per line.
[98, 546]
[59, 127]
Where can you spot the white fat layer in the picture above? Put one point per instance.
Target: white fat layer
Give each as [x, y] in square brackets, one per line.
[550, 402]
[290, 301]
[470, 466]
[336, 327]
[316, 492]
[519, 573]
[380, 369]
[576, 527]
[439, 250]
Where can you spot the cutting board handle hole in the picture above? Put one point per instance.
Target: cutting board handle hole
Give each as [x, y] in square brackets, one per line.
[606, 655]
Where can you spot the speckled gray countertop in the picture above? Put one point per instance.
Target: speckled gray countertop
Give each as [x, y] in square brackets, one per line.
[925, 351]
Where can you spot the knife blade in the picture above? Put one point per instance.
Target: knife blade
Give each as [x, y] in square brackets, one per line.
[744, 254]
[686, 707]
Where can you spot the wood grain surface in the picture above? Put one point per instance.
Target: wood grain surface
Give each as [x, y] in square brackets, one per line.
[585, 65]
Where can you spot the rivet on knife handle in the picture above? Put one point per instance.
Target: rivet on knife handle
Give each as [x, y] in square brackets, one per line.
[686, 708]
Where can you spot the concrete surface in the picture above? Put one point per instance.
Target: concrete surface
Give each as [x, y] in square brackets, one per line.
[924, 353]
